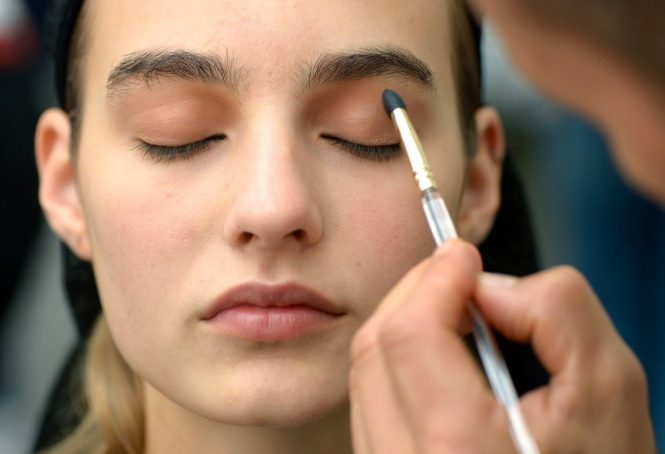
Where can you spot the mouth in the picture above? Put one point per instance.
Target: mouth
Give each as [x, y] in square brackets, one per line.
[268, 313]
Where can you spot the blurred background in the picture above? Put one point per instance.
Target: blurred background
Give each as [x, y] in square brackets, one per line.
[36, 329]
[583, 213]
[586, 216]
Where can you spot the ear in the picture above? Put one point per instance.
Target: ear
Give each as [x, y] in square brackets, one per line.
[58, 187]
[482, 196]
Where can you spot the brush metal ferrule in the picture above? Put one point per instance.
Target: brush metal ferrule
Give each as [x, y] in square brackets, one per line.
[414, 150]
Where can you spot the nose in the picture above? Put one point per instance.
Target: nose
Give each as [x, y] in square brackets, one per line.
[274, 205]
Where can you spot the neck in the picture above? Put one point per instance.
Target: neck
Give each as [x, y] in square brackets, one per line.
[171, 428]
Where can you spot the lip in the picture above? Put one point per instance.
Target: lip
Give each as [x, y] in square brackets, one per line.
[264, 313]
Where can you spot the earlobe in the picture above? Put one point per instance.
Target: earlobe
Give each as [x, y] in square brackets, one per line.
[482, 195]
[58, 191]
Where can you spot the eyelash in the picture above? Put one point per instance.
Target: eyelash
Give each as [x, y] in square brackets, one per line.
[379, 153]
[170, 153]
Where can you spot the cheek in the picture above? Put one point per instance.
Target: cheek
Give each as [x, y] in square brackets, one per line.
[388, 228]
[144, 235]
[395, 228]
[139, 231]
[388, 235]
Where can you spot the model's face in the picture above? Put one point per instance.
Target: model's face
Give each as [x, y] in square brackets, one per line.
[271, 194]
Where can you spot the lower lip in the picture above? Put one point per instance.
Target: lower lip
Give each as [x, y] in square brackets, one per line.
[266, 324]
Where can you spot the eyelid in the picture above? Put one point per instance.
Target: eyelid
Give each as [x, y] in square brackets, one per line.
[170, 153]
[379, 153]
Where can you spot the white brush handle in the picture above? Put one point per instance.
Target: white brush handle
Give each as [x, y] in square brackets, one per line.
[442, 228]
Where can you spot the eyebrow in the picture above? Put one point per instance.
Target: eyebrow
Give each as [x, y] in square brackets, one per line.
[152, 65]
[366, 63]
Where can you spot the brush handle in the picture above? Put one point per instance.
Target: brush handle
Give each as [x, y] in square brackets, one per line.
[502, 385]
[442, 228]
[438, 217]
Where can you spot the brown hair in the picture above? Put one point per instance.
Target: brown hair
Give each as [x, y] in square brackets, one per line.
[73, 93]
[465, 38]
[114, 420]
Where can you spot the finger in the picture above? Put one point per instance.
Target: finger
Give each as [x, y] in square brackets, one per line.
[379, 425]
[439, 386]
[596, 380]
[555, 310]
[372, 398]
[373, 395]
[358, 430]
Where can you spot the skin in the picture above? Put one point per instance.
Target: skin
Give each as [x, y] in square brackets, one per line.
[403, 402]
[596, 400]
[593, 80]
[272, 202]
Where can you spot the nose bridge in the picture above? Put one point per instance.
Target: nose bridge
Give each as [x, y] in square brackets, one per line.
[275, 177]
[274, 203]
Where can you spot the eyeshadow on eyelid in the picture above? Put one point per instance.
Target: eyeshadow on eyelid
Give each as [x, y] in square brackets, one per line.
[182, 122]
[188, 101]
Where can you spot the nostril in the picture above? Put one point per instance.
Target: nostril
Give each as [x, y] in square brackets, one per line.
[269, 228]
[300, 235]
[245, 237]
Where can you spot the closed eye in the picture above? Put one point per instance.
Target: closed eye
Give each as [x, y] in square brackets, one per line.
[170, 153]
[371, 152]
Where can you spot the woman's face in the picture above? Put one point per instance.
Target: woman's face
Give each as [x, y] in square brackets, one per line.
[269, 201]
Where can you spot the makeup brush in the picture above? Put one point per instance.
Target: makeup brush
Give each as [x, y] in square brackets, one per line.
[442, 227]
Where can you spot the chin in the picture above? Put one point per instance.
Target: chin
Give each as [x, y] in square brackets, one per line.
[276, 412]
[280, 418]
[277, 399]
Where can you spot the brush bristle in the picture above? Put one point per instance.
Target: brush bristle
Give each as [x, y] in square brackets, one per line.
[392, 101]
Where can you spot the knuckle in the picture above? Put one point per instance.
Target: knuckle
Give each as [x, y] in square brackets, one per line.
[573, 405]
[562, 288]
[397, 330]
[363, 344]
[625, 374]
[390, 336]
[568, 280]
[637, 377]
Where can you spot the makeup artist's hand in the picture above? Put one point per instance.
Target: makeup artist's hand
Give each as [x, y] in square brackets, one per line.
[415, 387]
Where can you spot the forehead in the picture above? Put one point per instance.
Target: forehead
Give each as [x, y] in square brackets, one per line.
[266, 37]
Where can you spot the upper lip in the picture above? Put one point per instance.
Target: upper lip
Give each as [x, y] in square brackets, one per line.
[270, 295]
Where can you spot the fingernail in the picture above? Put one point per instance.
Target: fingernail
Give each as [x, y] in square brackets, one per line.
[441, 250]
[496, 280]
